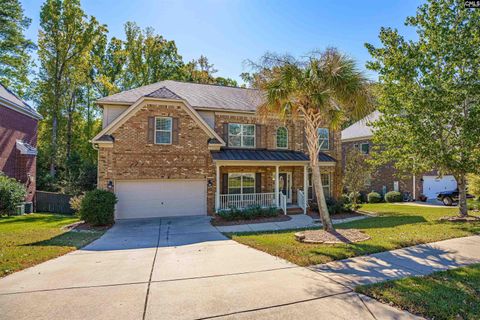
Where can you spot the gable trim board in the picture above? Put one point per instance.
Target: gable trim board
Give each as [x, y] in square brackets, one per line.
[127, 114]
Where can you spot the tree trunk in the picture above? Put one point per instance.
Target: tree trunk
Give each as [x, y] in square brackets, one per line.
[321, 201]
[312, 123]
[71, 108]
[462, 195]
[53, 157]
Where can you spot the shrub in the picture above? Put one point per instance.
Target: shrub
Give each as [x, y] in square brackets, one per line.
[249, 213]
[344, 198]
[12, 194]
[374, 197]
[393, 196]
[76, 202]
[97, 207]
[359, 196]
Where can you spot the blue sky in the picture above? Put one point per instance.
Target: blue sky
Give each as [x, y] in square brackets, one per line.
[230, 31]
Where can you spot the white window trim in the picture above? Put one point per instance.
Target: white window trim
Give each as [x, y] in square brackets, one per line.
[322, 147]
[171, 130]
[241, 135]
[361, 150]
[241, 181]
[310, 184]
[286, 147]
[329, 185]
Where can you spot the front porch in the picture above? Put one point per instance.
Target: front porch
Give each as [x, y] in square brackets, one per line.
[263, 178]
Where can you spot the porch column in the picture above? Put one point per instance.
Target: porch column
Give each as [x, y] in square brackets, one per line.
[305, 189]
[277, 199]
[217, 186]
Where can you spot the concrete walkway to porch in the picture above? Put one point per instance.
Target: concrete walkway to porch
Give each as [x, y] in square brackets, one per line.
[298, 221]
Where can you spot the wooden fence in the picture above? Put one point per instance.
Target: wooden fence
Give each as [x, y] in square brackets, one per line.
[52, 202]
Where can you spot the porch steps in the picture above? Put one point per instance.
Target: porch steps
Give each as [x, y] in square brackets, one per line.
[294, 210]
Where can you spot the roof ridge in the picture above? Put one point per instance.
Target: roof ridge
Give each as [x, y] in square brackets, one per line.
[213, 84]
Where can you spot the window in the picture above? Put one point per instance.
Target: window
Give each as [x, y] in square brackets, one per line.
[241, 135]
[327, 190]
[323, 138]
[163, 130]
[326, 184]
[365, 148]
[282, 138]
[239, 183]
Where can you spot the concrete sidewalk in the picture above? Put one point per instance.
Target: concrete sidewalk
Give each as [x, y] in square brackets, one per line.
[412, 261]
[298, 221]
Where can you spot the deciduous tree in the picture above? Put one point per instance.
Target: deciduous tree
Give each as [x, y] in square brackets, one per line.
[430, 93]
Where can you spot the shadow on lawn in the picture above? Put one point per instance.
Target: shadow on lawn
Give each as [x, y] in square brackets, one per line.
[68, 239]
[383, 222]
[36, 218]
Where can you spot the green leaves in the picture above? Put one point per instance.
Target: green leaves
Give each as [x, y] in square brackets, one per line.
[15, 61]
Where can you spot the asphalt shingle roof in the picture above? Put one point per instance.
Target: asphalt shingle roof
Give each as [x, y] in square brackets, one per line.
[362, 128]
[12, 98]
[265, 155]
[197, 95]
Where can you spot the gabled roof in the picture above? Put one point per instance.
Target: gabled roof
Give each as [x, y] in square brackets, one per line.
[361, 129]
[10, 100]
[161, 94]
[197, 95]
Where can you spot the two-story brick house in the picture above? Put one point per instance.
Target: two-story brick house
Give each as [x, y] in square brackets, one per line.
[386, 178]
[173, 148]
[18, 140]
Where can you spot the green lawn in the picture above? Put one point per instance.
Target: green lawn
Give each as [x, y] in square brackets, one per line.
[31, 239]
[446, 295]
[396, 226]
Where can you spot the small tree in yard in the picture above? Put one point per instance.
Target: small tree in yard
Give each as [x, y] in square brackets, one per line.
[357, 173]
[430, 93]
[324, 89]
[474, 185]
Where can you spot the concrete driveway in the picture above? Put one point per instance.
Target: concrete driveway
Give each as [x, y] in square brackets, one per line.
[178, 268]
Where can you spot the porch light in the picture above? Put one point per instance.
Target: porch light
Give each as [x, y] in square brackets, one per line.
[110, 185]
[209, 183]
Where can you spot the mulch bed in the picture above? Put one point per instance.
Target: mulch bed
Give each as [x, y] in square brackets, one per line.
[338, 236]
[82, 226]
[345, 215]
[217, 221]
[468, 218]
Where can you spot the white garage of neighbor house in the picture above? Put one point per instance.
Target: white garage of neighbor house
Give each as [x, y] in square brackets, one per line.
[432, 185]
[160, 198]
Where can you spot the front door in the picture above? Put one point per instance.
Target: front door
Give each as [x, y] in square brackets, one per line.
[285, 184]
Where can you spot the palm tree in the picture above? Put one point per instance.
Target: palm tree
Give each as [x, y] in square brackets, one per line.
[325, 89]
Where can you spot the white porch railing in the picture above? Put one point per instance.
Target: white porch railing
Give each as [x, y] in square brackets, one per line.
[301, 200]
[241, 201]
[283, 202]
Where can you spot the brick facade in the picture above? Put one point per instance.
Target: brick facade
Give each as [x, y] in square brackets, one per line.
[16, 126]
[131, 157]
[385, 176]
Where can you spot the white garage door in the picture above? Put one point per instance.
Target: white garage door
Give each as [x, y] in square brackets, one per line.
[433, 185]
[160, 198]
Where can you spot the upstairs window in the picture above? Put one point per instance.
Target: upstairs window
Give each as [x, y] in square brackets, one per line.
[282, 138]
[241, 135]
[163, 130]
[324, 138]
[364, 148]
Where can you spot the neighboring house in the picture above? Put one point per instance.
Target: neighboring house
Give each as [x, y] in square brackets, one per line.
[18, 139]
[385, 178]
[173, 148]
